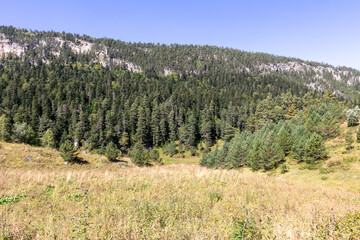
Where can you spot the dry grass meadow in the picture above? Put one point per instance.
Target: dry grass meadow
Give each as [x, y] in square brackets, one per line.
[42, 198]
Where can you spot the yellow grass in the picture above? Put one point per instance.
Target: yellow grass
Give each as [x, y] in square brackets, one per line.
[103, 200]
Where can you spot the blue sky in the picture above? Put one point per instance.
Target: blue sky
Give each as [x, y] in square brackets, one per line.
[319, 30]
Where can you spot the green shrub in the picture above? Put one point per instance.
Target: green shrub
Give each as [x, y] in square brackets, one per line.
[10, 199]
[193, 151]
[111, 152]
[154, 155]
[170, 149]
[215, 196]
[68, 153]
[246, 229]
[139, 156]
[284, 168]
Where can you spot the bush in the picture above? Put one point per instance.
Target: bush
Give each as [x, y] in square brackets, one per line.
[154, 155]
[215, 196]
[23, 133]
[68, 153]
[193, 151]
[284, 168]
[349, 140]
[315, 149]
[111, 152]
[170, 149]
[139, 156]
[246, 229]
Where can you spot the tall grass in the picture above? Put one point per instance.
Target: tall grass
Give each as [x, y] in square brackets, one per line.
[168, 202]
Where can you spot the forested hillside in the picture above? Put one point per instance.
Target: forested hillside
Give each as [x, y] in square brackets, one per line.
[57, 87]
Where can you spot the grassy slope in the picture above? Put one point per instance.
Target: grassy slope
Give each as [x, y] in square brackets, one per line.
[176, 201]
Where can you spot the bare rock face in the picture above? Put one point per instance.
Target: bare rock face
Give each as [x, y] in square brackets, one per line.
[7, 47]
[319, 76]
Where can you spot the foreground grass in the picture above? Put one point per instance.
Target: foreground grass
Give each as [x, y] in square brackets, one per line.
[168, 202]
[41, 198]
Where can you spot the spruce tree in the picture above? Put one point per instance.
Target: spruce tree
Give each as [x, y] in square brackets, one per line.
[141, 136]
[172, 126]
[124, 142]
[155, 126]
[5, 128]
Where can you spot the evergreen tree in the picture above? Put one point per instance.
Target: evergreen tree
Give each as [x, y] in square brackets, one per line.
[124, 142]
[5, 128]
[68, 153]
[138, 155]
[111, 152]
[353, 116]
[141, 131]
[284, 140]
[155, 126]
[154, 155]
[172, 126]
[47, 140]
[23, 133]
[349, 140]
[228, 132]
[315, 149]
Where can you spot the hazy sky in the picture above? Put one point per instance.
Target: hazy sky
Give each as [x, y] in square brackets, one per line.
[320, 30]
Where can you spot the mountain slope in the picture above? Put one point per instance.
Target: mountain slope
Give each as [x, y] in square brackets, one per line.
[183, 59]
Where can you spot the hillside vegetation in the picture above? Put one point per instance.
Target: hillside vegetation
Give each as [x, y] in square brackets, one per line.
[44, 198]
[102, 139]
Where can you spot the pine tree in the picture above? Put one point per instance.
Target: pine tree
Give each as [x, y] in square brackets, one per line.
[138, 155]
[172, 126]
[349, 140]
[284, 140]
[254, 156]
[299, 139]
[154, 155]
[5, 128]
[23, 133]
[47, 140]
[315, 149]
[111, 152]
[353, 116]
[271, 155]
[155, 126]
[291, 112]
[190, 131]
[141, 136]
[124, 142]
[228, 132]
[68, 153]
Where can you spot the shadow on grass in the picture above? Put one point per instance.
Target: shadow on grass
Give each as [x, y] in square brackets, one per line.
[78, 161]
[118, 161]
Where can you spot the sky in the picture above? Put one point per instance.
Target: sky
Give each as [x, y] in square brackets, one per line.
[326, 31]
